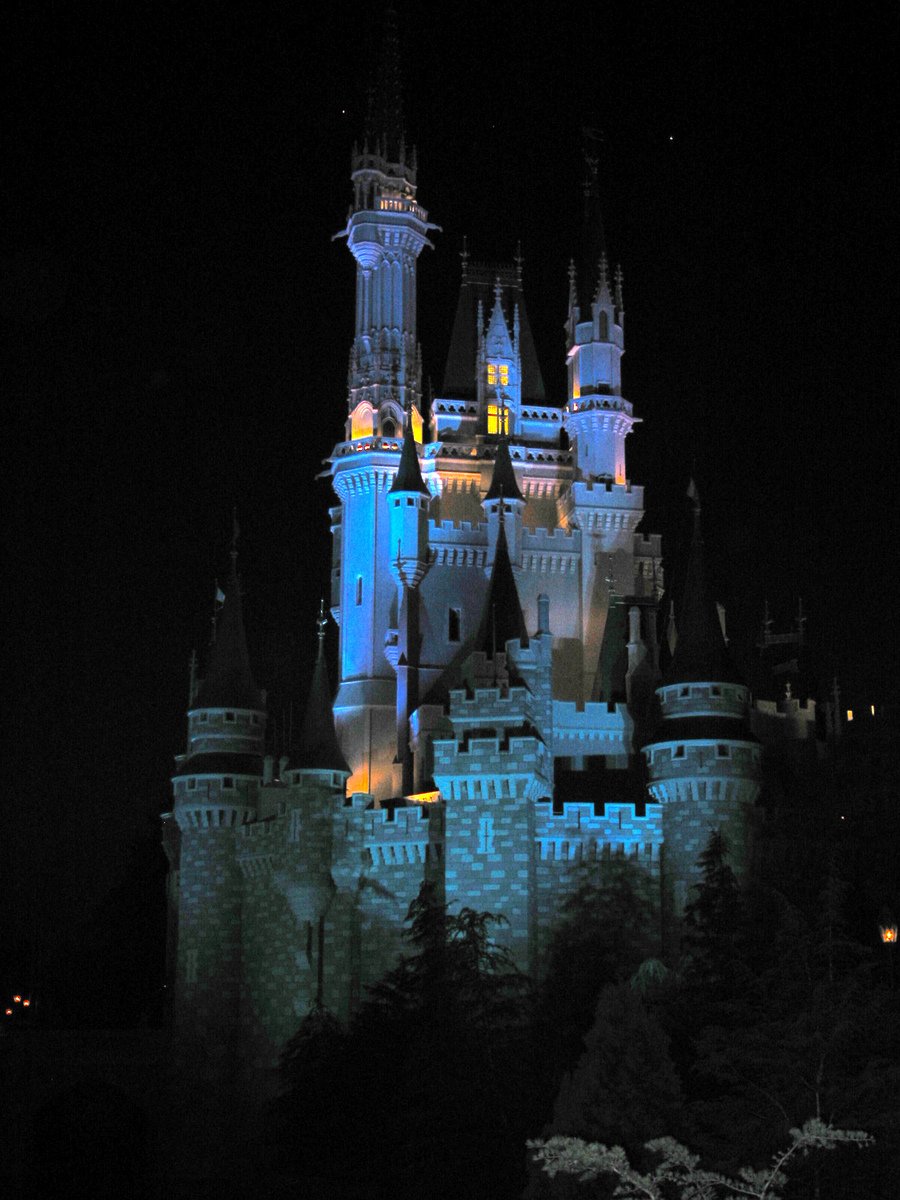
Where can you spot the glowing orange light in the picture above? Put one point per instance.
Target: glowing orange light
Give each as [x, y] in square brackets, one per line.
[26, 1003]
[425, 797]
[849, 714]
[889, 934]
[9, 1012]
[872, 709]
[17, 999]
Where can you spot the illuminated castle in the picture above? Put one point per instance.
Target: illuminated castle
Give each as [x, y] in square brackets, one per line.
[505, 712]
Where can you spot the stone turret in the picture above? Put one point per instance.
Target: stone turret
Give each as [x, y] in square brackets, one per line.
[216, 790]
[703, 761]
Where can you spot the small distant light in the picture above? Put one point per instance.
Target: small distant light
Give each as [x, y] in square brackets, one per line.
[9, 1012]
[888, 935]
[26, 1004]
[872, 709]
[671, 139]
[17, 999]
[849, 714]
[843, 818]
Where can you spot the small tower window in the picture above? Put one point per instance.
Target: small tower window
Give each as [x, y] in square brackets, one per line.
[229, 716]
[723, 752]
[679, 751]
[603, 325]
[685, 691]
[498, 419]
[453, 625]
[410, 501]
[359, 589]
[498, 373]
[204, 716]
[192, 783]
[228, 781]
[388, 428]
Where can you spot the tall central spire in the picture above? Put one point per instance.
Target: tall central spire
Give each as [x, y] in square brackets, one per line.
[384, 123]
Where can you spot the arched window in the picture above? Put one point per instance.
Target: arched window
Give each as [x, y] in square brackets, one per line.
[604, 327]
[388, 428]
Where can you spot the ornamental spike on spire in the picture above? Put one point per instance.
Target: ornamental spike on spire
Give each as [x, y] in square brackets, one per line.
[602, 295]
[620, 278]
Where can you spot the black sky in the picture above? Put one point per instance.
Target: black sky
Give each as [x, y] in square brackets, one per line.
[180, 320]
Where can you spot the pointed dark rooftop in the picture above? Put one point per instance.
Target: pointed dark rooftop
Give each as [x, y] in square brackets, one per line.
[700, 652]
[409, 473]
[229, 681]
[318, 748]
[502, 619]
[612, 668]
[503, 480]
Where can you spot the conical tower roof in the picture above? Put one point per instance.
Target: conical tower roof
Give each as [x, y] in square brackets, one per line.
[503, 480]
[612, 668]
[409, 473]
[502, 619]
[700, 651]
[229, 681]
[318, 748]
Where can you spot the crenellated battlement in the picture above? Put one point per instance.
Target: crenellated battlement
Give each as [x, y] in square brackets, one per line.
[581, 833]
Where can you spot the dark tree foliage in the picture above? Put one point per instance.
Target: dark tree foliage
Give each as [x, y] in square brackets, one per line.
[713, 923]
[624, 1089]
[605, 933]
[431, 1080]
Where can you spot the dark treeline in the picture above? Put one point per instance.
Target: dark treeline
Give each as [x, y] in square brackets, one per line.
[778, 1007]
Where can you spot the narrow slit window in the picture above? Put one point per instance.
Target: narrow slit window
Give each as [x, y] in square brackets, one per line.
[359, 589]
[453, 625]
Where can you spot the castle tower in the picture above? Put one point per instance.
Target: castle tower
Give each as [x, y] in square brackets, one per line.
[408, 499]
[597, 418]
[216, 788]
[496, 767]
[499, 370]
[504, 504]
[386, 231]
[703, 761]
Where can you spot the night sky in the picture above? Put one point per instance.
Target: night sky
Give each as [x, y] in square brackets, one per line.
[180, 321]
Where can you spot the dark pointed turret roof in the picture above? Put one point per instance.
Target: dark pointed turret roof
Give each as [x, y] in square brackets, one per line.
[612, 668]
[700, 651]
[409, 474]
[229, 681]
[502, 619]
[318, 748]
[503, 480]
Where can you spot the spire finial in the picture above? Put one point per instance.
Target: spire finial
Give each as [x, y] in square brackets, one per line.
[464, 258]
[497, 290]
[321, 626]
[573, 286]
[235, 533]
[519, 260]
[620, 279]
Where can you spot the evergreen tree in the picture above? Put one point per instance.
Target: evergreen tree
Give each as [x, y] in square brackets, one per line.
[606, 931]
[624, 1088]
[713, 922]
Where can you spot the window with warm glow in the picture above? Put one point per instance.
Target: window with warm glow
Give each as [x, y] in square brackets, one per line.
[497, 419]
[498, 373]
[362, 421]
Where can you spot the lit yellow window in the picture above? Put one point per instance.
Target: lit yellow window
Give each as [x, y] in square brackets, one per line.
[497, 418]
[498, 373]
